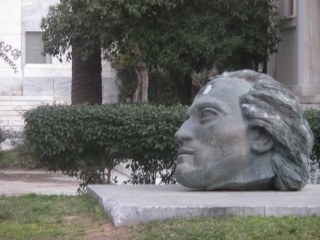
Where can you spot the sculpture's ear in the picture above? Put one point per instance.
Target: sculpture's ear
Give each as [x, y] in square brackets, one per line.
[261, 141]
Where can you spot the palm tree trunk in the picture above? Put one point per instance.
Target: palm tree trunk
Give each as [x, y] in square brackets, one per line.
[86, 84]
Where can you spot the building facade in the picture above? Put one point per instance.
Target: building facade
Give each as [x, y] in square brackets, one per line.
[27, 78]
[297, 63]
[23, 70]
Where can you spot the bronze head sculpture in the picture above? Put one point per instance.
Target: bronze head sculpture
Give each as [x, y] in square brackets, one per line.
[244, 131]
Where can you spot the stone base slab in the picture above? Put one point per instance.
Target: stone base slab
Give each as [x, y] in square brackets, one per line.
[136, 204]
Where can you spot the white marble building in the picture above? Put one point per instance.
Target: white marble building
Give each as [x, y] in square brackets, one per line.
[297, 64]
[27, 78]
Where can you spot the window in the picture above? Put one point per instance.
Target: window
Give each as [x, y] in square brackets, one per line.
[289, 8]
[34, 47]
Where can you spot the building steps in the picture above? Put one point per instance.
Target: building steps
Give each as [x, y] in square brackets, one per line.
[13, 107]
[14, 91]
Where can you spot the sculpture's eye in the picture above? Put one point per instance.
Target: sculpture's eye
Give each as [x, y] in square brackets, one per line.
[209, 113]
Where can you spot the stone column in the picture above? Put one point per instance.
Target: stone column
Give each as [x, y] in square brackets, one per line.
[310, 93]
[297, 63]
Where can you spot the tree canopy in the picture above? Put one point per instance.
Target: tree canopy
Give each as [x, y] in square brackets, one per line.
[71, 25]
[177, 36]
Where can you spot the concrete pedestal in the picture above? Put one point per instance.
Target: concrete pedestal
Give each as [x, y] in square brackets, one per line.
[136, 204]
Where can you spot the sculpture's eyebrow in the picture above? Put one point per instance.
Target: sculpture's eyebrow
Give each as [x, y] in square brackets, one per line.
[214, 103]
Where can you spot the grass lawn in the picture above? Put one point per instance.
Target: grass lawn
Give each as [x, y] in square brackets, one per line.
[48, 217]
[79, 217]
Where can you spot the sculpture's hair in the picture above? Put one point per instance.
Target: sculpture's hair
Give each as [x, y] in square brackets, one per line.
[271, 106]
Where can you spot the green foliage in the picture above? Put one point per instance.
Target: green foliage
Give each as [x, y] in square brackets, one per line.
[198, 35]
[85, 140]
[313, 118]
[17, 157]
[161, 88]
[126, 76]
[2, 138]
[194, 35]
[2, 135]
[177, 36]
[66, 23]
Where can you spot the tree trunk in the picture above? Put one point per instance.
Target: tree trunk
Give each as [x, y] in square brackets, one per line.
[265, 67]
[141, 93]
[137, 93]
[86, 84]
[145, 82]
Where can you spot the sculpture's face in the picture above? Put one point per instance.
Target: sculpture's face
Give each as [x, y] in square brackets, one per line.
[213, 141]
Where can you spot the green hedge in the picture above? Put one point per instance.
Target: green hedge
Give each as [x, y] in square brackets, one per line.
[313, 117]
[84, 140]
[2, 136]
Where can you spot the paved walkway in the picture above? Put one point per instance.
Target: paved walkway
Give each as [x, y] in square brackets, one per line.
[16, 183]
[19, 182]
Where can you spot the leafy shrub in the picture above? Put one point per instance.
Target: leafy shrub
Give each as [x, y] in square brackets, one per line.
[84, 140]
[313, 118]
[17, 156]
[2, 136]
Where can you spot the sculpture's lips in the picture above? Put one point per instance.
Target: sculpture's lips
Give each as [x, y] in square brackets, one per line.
[185, 151]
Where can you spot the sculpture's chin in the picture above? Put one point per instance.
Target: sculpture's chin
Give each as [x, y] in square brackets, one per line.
[187, 175]
[185, 159]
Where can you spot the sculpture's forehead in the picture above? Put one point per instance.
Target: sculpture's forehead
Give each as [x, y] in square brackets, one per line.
[223, 85]
[221, 93]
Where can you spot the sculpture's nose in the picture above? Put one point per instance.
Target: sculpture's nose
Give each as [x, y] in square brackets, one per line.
[185, 133]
